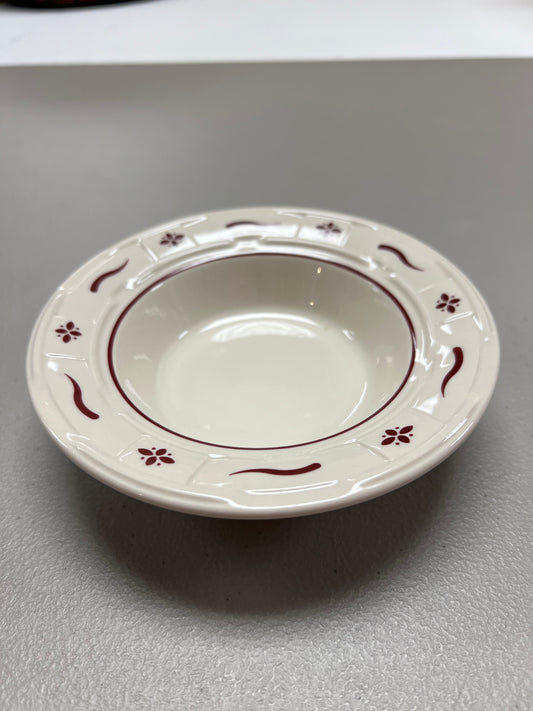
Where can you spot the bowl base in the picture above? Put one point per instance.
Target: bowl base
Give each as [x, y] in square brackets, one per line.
[264, 380]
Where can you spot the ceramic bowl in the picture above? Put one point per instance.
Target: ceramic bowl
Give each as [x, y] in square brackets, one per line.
[263, 362]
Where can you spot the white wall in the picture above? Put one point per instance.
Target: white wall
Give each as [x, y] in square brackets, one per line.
[256, 30]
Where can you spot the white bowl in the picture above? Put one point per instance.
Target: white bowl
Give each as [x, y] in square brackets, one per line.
[263, 362]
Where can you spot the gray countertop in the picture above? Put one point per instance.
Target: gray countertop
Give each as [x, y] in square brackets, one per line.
[416, 600]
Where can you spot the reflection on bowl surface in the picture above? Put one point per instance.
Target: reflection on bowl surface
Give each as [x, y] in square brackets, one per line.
[262, 351]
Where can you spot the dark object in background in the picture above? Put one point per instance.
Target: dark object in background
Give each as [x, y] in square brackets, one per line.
[61, 4]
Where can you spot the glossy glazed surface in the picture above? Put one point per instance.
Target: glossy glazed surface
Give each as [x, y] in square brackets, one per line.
[262, 351]
[263, 362]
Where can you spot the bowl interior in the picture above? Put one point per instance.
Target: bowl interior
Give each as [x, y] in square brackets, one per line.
[261, 351]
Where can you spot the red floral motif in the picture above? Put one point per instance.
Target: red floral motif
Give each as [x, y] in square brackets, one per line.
[447, 303]
[171, 238]
[156, 456]
[68, 332]
[397, 435]
[329, 228]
